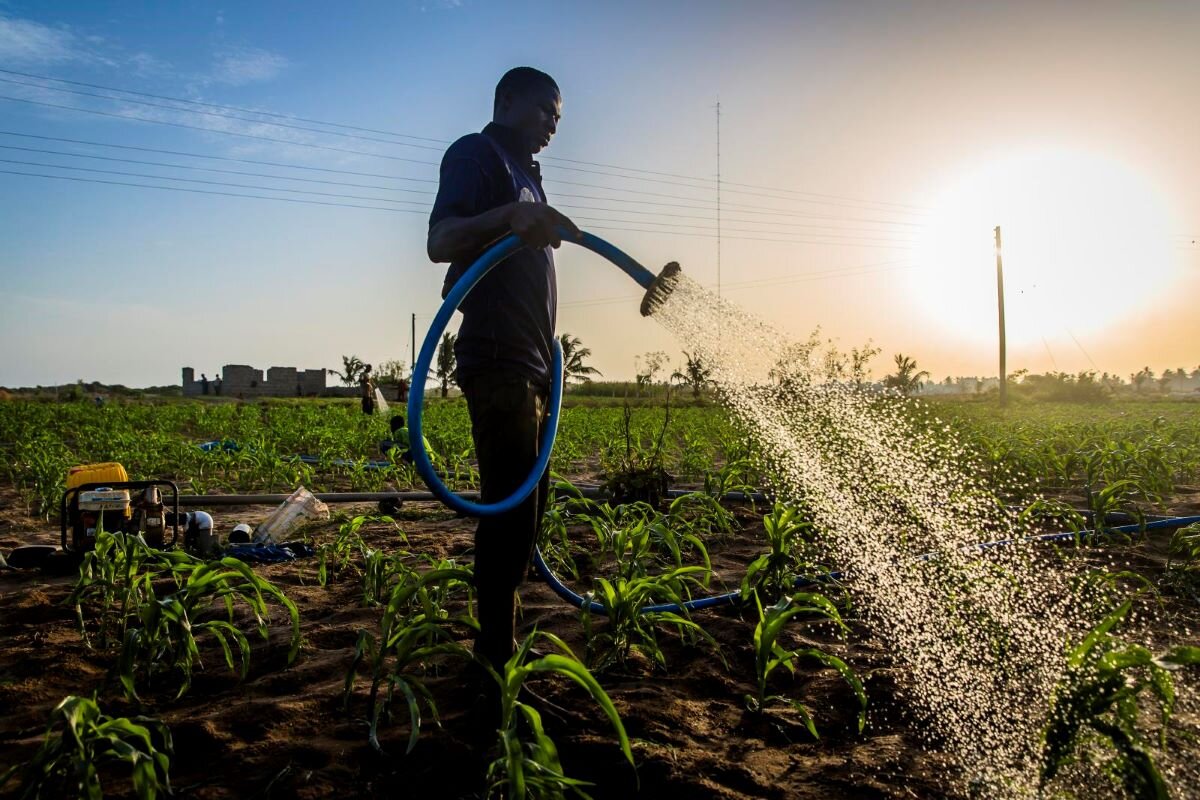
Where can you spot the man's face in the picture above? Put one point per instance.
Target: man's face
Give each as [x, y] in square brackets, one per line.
[534, 112]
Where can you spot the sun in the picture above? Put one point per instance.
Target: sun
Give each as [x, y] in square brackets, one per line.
[1086, 244]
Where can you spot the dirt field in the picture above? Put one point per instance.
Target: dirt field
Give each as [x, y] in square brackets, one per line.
[283, 733]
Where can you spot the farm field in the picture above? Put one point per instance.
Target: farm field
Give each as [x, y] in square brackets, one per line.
[701, 719]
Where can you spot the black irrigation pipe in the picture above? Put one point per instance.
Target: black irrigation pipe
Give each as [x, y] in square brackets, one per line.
[192, 500]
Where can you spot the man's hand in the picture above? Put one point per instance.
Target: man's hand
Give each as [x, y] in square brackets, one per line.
[535, 224]
[538, 224]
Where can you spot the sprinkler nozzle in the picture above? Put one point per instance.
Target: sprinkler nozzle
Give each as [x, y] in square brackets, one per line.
[661, 289]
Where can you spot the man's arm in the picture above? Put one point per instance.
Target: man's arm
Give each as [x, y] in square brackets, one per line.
[459, 238]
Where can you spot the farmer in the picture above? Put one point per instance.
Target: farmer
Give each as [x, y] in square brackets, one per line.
[203, 382]
[401, 440]
[490, 187]
[368, 390]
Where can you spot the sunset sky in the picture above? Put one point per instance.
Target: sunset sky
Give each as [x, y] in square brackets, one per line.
[867, 150]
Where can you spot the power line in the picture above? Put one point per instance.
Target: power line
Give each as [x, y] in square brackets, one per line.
[206, 191]
[289, 126]
[717, 231]
[743, 209]
[756, 209]
[215, 130]
[705, 235]
[217, 158]
[122, 173]
[218, 105]
[402, 210]
[1085, 352]
[211, 183]
[853, 271]
[276, 115]
[211, 169]
[814, 230]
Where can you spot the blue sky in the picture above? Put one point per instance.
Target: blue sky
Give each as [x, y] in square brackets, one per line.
[871, 109]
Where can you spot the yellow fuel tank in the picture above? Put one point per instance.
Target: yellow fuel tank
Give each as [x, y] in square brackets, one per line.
[108, 472]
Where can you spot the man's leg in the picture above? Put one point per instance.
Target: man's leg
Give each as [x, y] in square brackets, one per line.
[506, 416]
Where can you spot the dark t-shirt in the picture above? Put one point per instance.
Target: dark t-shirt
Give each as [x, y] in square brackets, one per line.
[508, 318]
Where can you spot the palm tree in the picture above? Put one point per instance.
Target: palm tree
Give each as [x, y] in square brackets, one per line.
[1141, 378]
[906, 379]
[696, 374]
[446, 362]
[573, 355]
[352, 367]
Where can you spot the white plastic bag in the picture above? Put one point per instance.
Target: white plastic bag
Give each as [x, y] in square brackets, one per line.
[299, 504]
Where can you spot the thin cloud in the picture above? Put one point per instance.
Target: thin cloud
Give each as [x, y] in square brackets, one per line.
[23, 41]
[144, 65]
[248, 65]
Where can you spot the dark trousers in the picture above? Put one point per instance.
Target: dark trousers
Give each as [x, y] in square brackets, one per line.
[507, 413]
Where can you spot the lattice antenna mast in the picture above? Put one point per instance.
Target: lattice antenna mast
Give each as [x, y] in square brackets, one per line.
[718, 214]
[718, 196]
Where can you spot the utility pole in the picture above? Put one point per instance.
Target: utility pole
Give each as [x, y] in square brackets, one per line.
[413, 346]
[1000, 301]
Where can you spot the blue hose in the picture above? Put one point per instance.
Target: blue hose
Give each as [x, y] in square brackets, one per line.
[484, 264]
[732, 598]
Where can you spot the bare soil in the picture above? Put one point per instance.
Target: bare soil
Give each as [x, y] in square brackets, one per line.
[283, 732]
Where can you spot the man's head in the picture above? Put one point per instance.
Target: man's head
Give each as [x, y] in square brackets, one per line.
[528, 101]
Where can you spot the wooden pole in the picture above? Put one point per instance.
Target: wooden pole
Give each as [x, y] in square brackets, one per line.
[1000, 302]
[412, 364]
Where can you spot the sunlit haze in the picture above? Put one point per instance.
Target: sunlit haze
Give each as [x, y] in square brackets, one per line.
[867, 152]
[1085, 241]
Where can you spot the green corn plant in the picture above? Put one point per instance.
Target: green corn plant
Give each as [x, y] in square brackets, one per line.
[737, 475]
[114, 574]
[628, 630]
[605, 520]
[1118, 496]
[1044, 511]
[380, 572]
[566, 502]
[79, 739]
[640, 540]
[701, 513]
[118, 575]
[528, 765]
[775, 571]
[674, 545]
[1182, 572]
[339, 555]
[165, 641]
[1100, 698]
[416, 627]
[769, 654]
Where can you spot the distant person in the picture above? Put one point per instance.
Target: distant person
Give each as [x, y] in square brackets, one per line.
[368, 391]
[217, 385]
[203, 383]
[401, 440]
[402, 391]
